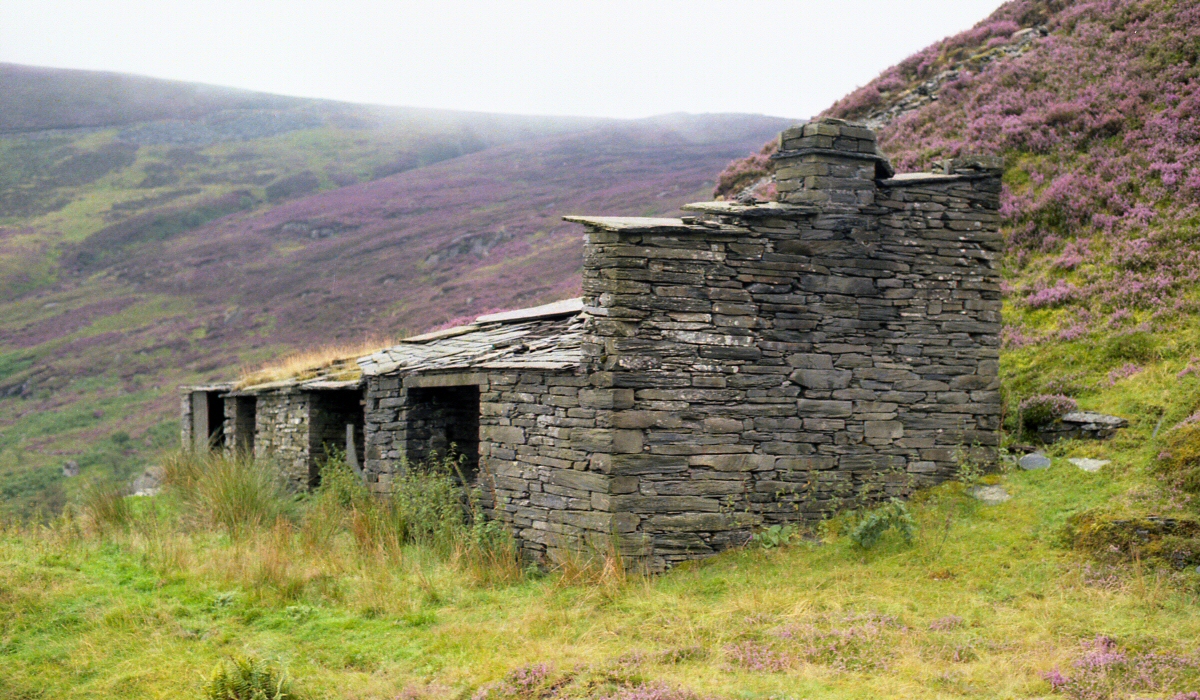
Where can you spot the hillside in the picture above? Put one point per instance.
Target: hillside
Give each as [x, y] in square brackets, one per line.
[157, 233]
[1096, 109]
[1082, 585]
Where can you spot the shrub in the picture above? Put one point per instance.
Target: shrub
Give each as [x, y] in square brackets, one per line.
[775, 536]
[245, 678]
[871, 528]
[1043, 409]
[1105, 670]
[430, 501]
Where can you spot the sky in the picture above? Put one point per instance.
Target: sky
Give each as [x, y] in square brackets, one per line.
[614, 58]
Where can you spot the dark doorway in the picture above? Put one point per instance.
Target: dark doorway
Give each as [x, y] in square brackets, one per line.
[442, 418]
[208, 420]
[245, 419]
[330, 412]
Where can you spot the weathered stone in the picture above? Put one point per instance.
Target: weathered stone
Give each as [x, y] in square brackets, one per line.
[991, 495]
[1031, 462]
[1089, 465]
[821, 378]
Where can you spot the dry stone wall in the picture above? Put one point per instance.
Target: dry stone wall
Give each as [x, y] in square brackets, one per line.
[771, 363]
[537, 431]
[282, 434]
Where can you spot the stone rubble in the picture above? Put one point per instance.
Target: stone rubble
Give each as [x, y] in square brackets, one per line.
[1082, 425]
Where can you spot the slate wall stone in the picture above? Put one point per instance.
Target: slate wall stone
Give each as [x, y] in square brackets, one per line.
[537, 431]
[282, 435]
[781, 363]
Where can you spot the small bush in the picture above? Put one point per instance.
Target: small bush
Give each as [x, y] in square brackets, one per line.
[431, 502]
[244, 678]
[871, 528]
[1043, 409]
[775, 536]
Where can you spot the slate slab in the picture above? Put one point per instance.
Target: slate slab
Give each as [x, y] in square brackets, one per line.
[1089, 465]
[990, 495]
[1035, 461]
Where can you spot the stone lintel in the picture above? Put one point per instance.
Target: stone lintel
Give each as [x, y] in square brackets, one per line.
[909, 179]
[425, 381]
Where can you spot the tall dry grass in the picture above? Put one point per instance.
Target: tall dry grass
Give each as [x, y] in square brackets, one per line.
[233, 493]
[105, 508]
[338, 361]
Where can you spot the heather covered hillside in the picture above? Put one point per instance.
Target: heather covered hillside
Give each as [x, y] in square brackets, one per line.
[155, 233]
[1096, 108]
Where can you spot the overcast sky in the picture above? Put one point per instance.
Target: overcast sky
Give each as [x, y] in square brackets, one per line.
[615, 58]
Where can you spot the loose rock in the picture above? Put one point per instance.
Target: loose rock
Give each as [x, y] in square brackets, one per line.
[71, 468]
[148, 483]
[1035, 461]
[990, 495]
[1088, 465]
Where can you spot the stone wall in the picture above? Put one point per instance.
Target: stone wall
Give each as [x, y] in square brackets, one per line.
[771, 363]
[537, 430]
[240, 422]
[748, 365]
[282, 435]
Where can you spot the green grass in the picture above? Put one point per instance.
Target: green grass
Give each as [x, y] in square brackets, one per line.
[152, 612]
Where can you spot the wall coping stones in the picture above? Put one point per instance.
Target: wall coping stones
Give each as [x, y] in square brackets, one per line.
[752, 211]
[632, 224]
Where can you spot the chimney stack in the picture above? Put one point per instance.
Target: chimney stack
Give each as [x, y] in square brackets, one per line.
[829, 161]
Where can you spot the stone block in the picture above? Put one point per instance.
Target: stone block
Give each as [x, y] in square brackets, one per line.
[722, 425]
[734, 462]
[609, 398]
[825, 379]
[502, 433]
[825, 409]
[890, 430]
[627, 441]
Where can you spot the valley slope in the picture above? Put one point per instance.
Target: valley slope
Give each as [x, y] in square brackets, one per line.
[157, 233]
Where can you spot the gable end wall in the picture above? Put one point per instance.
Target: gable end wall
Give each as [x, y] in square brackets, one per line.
[779, 369]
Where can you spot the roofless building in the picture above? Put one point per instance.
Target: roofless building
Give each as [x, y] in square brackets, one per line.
[744, 365]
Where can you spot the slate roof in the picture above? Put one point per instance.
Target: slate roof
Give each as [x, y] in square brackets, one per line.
[543, 337]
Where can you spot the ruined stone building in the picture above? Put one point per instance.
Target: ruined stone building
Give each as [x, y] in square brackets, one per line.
[743, 365]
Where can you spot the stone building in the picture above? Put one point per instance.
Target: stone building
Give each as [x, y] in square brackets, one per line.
[293, 422]
[743, 365]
